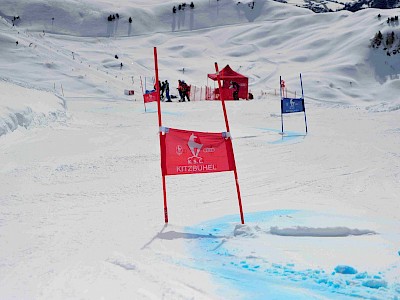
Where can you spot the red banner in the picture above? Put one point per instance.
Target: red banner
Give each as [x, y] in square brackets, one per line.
[192, 152]
[150, 97]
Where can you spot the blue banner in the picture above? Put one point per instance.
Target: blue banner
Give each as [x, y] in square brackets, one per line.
[292, 105]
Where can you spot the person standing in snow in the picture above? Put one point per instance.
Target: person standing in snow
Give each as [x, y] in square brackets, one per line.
[158, 89]
[162, 90]
[166, 86]
[185, 91]
[235, 86]
[180, 90]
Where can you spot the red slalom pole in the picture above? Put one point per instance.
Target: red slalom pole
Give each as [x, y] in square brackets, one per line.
[160, 133]
[227, 129]
[141, 85]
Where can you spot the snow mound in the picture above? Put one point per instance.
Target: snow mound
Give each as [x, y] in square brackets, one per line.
[319, 232]
[375, 283]
[24, 107]
[245, 230]
[343, 269]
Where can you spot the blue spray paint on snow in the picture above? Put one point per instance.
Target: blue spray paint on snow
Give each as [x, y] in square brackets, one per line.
[343, 269]
[375, 283]
[119, 109]
[287, 136]
[252, 277]
[163, 112]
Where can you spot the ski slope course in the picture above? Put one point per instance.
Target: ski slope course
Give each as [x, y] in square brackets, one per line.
[81, 205]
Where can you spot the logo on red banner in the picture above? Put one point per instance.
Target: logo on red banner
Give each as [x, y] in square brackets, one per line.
[189, 152]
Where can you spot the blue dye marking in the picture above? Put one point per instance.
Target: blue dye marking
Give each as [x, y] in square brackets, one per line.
[343, 269]
[287, 136]
[375, 283]
[163, 112]
[361, 275]
[108, 109]
[254, 279]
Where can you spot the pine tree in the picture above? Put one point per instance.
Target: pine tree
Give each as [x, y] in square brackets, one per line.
[389, 39]
[377, 40]
[391, 3]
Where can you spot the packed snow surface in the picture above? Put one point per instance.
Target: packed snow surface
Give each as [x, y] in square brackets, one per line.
[81, 199]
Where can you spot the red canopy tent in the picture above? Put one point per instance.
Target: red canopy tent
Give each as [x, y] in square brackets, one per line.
[227, 75]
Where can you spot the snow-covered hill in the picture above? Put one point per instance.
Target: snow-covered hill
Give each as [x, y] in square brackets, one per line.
[331, 50]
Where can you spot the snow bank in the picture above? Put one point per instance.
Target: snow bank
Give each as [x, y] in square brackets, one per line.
[343, 269]
[26, 107]
[319, 232]
[375, 283]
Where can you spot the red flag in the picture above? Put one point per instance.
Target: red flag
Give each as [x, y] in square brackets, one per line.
[191, 152]
[150, 97]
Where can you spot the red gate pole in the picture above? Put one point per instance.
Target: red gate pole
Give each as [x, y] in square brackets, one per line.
[141, 84]
[227, 129]
[160, 133]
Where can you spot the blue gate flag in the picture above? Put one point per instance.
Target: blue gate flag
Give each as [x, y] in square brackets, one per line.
[292, 105]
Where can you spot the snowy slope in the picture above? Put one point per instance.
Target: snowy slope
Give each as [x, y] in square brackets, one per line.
[265, 46]
[81, 211]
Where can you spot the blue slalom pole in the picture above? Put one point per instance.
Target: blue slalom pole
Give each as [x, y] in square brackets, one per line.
[302, 96]
[280, 93]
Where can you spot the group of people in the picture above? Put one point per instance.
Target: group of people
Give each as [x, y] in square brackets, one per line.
[111, 18]
[183, 90]
[163, 87]
[15, 19]
[182, 7]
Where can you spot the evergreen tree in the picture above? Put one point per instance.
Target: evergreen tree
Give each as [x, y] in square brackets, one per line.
[389, 39]
[377, 40]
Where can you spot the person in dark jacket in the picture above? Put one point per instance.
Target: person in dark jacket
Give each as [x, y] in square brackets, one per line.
[180, 90]
[235, 86]
[166, 84]
[162, 90]
[185, 91]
